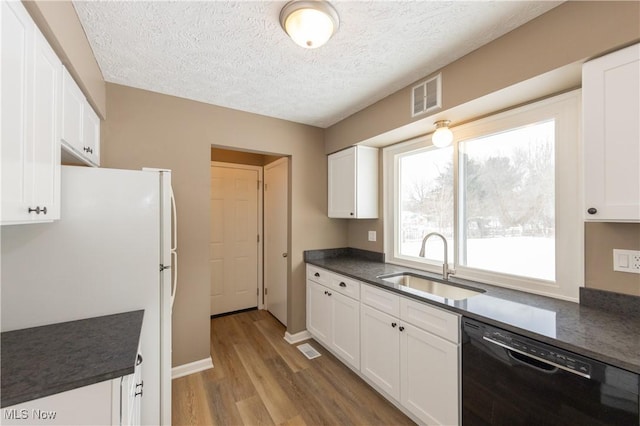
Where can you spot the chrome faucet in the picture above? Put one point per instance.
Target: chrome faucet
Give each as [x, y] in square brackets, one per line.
[445, 266]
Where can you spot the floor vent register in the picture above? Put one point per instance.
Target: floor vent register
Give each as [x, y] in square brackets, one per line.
[308, 351]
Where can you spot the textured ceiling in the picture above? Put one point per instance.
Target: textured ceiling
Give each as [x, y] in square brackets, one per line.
[234, 53]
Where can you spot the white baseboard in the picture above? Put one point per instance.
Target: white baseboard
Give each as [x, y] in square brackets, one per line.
[298, 337]
[192, 367]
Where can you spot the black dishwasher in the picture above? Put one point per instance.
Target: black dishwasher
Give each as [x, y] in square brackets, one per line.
[509, 379]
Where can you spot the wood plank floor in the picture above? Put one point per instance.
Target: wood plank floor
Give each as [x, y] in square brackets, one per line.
[259, 379]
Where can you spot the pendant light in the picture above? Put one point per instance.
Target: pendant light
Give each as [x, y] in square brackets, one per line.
[443, 136]
[310, 24]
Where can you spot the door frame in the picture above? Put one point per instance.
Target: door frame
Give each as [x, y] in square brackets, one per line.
[260, 183]
[287, 160]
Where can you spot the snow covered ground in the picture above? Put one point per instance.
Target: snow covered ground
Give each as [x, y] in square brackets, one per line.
[524, 256]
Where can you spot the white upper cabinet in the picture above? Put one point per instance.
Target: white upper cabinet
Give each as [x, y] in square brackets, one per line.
[72, 112]
[611, 131]
[30, 120]
[91, 127]
[353, 183]
[80, 125]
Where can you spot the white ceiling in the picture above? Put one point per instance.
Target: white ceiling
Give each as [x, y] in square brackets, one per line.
[234, 53]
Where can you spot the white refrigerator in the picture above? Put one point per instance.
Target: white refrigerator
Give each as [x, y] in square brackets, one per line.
[112, 251]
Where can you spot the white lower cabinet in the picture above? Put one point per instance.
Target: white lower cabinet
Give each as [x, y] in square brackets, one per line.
[429, 376]
[115, 402]
[333, 318]
[416, 366]
[380, 347]
[96, 404]
[408, 350]
[345, 328]
[318, 311]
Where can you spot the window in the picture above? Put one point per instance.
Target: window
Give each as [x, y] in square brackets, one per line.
[509, 212]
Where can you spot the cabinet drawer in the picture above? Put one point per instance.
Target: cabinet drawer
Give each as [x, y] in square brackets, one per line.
[382, 300]
[340, 283]
[431, 319]
[318, 275]
[347, 286]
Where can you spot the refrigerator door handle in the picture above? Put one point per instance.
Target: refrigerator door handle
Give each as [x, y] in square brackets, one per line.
[174, 223]
[174, 248]
[174, 281]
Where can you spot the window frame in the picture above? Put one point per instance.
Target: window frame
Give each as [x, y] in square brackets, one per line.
[565, 109]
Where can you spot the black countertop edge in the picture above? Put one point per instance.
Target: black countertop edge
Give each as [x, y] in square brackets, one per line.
[374, 256]
[42, 361]
[605, 336]
[624, 304]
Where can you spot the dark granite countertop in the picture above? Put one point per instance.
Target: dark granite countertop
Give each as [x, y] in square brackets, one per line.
[41, 361]
[607, 335]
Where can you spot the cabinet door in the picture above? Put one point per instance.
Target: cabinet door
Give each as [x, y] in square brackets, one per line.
[345, 328]
[30, 100]
[72, 114]
[87, 405]
[45, 125]
[429, 376]
[342, 184]
[318, 312]
[16, 58]
[131, 393]
[91, 135]
[611, 121]
[380, 348]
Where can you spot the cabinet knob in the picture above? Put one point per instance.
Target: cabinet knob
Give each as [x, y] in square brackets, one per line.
[342, 284]
[592, 210]
[139, 392]
[394, 325]
[139, 359]
[351, 214]
[328, 293]
[317, 274]
[401, 328]
[325, 292]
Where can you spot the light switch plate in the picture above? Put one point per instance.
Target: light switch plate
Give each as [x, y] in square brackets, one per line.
[372, 235]
[626, 261]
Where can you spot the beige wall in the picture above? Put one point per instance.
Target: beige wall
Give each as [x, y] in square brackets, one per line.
[150, 129]
[571, 32]
[601, 239]
[533, 61]
[60, 25]
[242, 157]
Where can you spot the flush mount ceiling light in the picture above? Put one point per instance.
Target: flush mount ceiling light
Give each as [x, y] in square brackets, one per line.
[443, 136]
[310, 23]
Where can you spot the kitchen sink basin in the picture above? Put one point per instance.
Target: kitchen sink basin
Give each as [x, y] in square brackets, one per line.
[415, 282]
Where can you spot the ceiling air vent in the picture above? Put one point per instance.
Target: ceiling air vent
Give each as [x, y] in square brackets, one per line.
[426, 96]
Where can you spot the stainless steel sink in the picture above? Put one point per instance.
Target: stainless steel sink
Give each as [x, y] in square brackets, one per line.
[416, 282]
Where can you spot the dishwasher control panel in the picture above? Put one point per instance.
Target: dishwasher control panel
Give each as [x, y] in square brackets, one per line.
[563, 359]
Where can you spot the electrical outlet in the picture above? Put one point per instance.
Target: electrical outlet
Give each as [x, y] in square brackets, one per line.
[626, 261]
[372, 235]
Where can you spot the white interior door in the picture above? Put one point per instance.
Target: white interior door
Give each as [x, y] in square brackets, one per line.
[276, 208]
[233, 253]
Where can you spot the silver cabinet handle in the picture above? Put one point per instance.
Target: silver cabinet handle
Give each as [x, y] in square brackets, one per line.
[37, 210]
